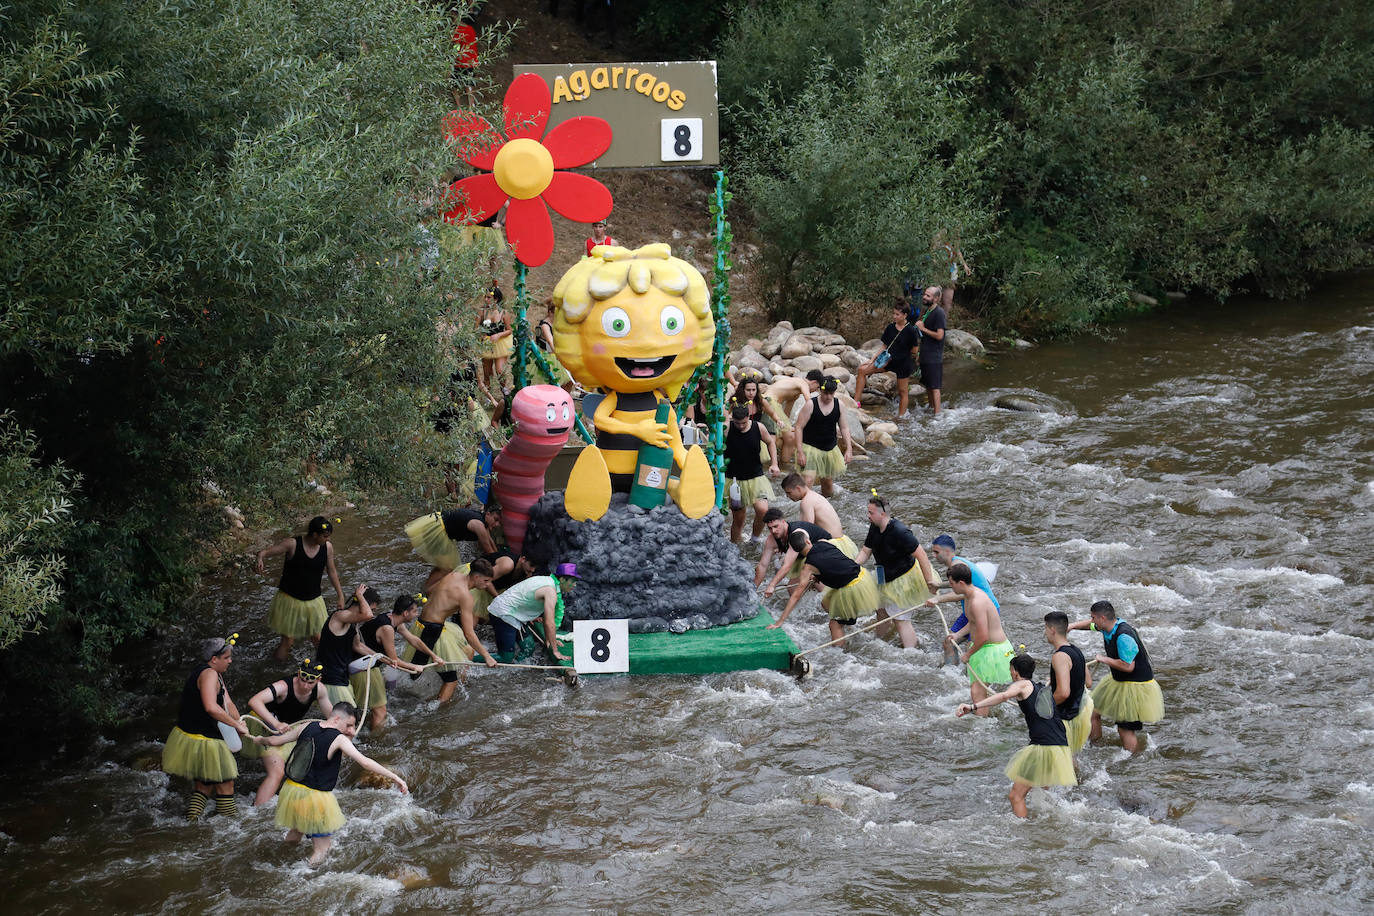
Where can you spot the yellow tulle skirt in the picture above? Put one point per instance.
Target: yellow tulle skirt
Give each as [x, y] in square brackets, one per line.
[499, 348]
[431, 542]
[1078, 727]
[752, 490]
[905, 592]
[1042, 766]
[339, 694]
[369, 684]
[846, 545]
[253, 751]
[294, 618]
[308, 810]
[481, 601]
[857, 599]
[452, 647]
[1129, 701]
[823, 464]
[199, 758]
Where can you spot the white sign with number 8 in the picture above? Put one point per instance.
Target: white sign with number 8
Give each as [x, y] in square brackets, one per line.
[601, 646]
[681, 140]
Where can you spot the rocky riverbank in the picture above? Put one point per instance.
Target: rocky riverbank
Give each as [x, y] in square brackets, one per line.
[789, 351]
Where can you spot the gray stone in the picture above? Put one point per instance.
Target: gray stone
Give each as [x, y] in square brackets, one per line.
[834, 348]
[871, 346]
[805, 364]
[884, 383]
[883, 426]
[832, 340]
[813, 332]
[796, 345]
[879, 437]
[1020, 344]
[828, 360]
[1022, 402]
[964, 342]
[872, 398]
[852, 359]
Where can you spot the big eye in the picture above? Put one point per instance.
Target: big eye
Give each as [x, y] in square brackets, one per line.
[551, 414]
[566, 413]
[615, 322]
[670, 319]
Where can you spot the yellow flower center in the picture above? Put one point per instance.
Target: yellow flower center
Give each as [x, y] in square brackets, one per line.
[524, 168]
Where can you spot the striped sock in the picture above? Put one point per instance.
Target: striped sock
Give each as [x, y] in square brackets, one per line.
[226, 804]
[196, 806]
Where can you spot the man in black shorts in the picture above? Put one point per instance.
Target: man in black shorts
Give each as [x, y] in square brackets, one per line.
[932, 358]
[900, 339]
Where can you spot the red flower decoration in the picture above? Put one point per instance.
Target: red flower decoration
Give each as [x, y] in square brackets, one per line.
[522, 168]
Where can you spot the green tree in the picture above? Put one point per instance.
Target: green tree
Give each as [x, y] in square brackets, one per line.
[213, 211]
[849, 178]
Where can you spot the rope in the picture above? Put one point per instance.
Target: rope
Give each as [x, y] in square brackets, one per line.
[891, 618]
[498, 664]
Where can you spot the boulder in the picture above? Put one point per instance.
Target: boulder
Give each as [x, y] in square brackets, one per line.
[1024, 403]
[772, 344]
[964, 342]
[749, 358]
[856, 423]
[1020, 344]
[806, 363]
[852, 359]
[813, 332]
[879, 437]
[872, 346]
[884, 383]
[828, 360]
[753, 343]
[777, 368]
[841, 374]
[872, 398]
[883, 426]
[796, 345]
[834, 348]
[832, 340]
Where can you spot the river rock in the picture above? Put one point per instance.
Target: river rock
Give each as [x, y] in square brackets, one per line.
[872, 398]
[749, 358]
[831, 339]
[840, 374]
[797, 345]
[772, 344]
[837, 349]
[855, 421]
[828, 360]
[753, 343]
[964, 342]
[813, 332]
[884, 383]
[883, 426]
[878, 437]
[872, 346]
[1025, 403]
[806, 363]
[1020, 344]
[852, 359]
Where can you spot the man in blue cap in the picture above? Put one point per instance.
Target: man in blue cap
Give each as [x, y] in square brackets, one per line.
[537, 598]
[944, 549]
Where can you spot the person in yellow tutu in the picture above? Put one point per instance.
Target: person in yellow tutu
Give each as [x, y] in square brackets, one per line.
[196, 748]
[494, 324]
[989, 649]
[378, 636]
[297, 610]
[1046, 761]
[849, 591]
[307, 807]
[436, 536]
[777, 543]
[905, 577]
[744, 469]
[454, 643]
[278, 706]
[1069, 680]
[816, 509]
[340, 644]
[820, 427]
[1130, 697]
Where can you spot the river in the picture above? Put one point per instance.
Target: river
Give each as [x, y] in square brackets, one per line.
[1208, 471]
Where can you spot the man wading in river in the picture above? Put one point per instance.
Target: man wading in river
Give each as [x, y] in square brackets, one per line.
[298, 610]
[1130, 697]
[453, 594]
[989, 656]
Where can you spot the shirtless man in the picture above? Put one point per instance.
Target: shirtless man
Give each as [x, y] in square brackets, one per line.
[784, 392]
[779, 532]
[989, 655]
[817, 510]
[452, 594]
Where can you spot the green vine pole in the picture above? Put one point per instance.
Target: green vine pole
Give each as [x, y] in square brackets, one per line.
[720, 307]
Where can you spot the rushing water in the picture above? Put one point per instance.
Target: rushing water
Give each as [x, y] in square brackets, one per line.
[1208, 472]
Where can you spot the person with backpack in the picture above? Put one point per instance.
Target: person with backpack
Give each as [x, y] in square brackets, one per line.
[307, 807]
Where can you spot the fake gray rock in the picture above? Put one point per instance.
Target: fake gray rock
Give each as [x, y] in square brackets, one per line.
[655, 567]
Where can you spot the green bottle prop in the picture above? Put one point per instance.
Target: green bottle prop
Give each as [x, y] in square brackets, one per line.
[650, 487]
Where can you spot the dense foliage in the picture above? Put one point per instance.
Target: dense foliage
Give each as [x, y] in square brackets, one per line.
[1153, 146]
[213, 294]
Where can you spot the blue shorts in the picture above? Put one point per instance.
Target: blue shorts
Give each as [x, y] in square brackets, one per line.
[960, 622]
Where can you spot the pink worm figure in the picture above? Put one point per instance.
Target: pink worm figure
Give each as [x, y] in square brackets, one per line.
[543, 417]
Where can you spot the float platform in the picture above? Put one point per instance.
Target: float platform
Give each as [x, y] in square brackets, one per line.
[744, 646]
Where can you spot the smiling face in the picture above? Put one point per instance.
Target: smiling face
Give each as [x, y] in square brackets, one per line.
[633, 321]
[543, 411]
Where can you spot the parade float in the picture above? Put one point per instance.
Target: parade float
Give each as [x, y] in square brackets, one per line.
[661, 590]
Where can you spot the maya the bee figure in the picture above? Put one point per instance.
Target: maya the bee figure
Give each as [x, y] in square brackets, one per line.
[635, 324]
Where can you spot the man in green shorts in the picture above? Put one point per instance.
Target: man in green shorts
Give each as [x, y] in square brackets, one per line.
[990, 652]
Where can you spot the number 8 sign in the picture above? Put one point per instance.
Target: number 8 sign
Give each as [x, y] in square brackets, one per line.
[681, 140]
[601, 646]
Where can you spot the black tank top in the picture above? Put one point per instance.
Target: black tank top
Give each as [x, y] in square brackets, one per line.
[814, 532]
[300, 575]
[192, 718]
[287, 708]
[1042, 721]
[335, 653]
[1143, 670]
[324, 770]
[822, 430]
[834, 568]
[742, 461]
[368, 631]
[1078, 671]
[456, 523]
[509, 578]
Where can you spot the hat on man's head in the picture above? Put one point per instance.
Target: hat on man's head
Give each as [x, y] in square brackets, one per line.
[944, 540]
[566, 569]
[319, 525]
